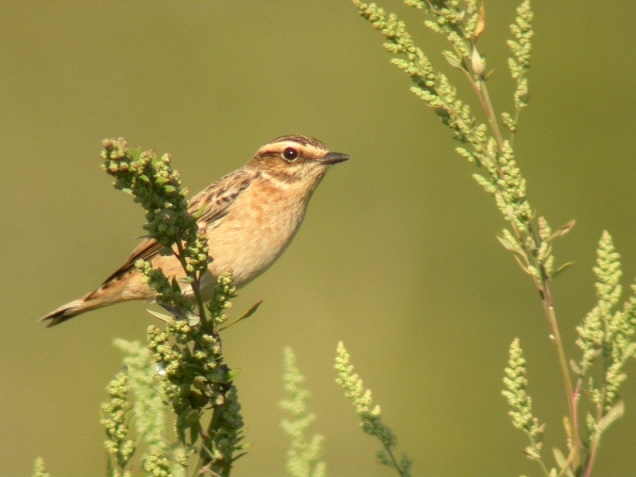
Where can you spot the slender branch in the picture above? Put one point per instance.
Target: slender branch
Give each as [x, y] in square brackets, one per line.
[490, 111]
[545, 470]
[513, 134]
[542, 285]
[204, 453]
[393, 460]
[596, 438]
[592, 459]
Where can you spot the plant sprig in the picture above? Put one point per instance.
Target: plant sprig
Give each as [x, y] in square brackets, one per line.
[196, 382]
[370, 416]
[528, 237]
[303, 454]
[516, 382]
[606, 339]
[115, 410]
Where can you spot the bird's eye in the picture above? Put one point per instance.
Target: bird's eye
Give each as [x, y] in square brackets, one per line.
[290, 154]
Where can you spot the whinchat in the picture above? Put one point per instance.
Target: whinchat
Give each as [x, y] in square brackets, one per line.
[249, 216]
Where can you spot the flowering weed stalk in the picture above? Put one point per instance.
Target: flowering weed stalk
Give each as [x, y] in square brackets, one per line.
[370, 416]
[606, 334]
[303, 455]
[187, 353]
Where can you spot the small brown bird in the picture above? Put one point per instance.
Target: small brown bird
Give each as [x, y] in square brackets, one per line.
[249, 216]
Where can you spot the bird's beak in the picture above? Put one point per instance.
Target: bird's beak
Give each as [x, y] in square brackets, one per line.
[333, 158]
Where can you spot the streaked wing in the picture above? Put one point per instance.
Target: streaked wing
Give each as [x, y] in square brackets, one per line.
[216, 201]
[146, 249]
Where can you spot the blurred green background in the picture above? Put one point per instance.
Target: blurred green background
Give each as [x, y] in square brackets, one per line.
[397, 256]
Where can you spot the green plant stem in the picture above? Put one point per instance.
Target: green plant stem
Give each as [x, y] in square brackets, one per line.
[513, 134]
[481, 90]
[395, 463]
[490, 111]
[543, 285]
[204, 457]
[590, 462]
[545, 293]
[563, 364]
[575, 409]
[545, 470]
[595, 441]
[566, 466]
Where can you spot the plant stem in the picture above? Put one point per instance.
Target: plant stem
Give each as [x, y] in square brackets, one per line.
[545, 470]
[204, 457]
[548, 306]
[490, 111]
[395, 464]
[513, 134]
[542, 285]
[590, 462]
[596, 437]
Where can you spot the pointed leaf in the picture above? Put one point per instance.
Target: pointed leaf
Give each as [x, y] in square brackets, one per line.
[563, 463]
[561, 231]
[521, 264]
[237, 457]
[562, 268]
[232, 373]
[452, 59]
[199, 212]
[245, 315]
[614, 414]
[161, 316]
[481, 21]
[507, 245]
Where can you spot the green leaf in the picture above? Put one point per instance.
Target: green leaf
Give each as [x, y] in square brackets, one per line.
[507, 245]
[522, 265]
[161, 316]
[231, 374]
[199, 212]
[561, 231]
[576, 368]
[613, 415]
[452, 59]
[245, 315]
[562, 462]
[509, 242]
[562, 268]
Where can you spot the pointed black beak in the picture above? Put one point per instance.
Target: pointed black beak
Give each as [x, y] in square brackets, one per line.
[333, 158]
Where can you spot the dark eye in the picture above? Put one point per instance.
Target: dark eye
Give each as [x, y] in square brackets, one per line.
[290, 154]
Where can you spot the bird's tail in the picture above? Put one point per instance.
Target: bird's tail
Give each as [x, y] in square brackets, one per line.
[107, 294]
[70, 310]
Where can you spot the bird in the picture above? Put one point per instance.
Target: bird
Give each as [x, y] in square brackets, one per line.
[249, 216]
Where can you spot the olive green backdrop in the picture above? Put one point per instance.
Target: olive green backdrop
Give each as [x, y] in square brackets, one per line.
[397, 256]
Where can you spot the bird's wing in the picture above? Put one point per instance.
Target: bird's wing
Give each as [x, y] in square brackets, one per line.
[214, 202]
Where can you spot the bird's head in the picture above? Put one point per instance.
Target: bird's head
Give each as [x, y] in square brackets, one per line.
[295, 160]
